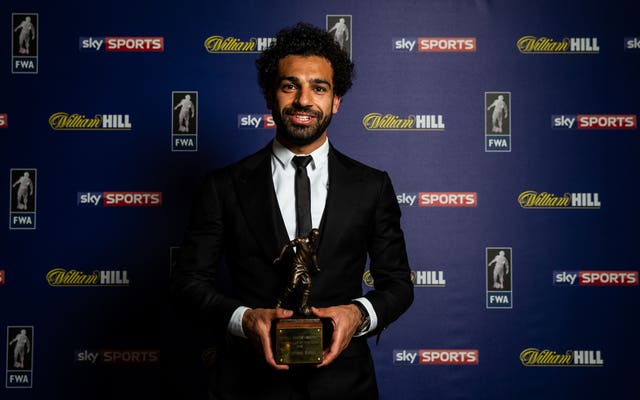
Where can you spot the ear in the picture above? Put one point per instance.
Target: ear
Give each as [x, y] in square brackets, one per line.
[336, 104]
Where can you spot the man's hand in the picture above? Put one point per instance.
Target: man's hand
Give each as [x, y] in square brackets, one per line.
[345, 319]
[256, 324]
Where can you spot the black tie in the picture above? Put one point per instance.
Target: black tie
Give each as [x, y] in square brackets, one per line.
[303, 196]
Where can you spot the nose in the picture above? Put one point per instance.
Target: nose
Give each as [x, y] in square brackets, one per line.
[303, 98]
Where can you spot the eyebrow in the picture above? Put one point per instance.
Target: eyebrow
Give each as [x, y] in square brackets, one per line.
[295, 80]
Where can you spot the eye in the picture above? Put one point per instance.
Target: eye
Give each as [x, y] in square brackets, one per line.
[288, 87]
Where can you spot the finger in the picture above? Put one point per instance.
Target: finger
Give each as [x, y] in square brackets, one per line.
[265, 340]
[321, 312]
[268, 356]
[283, 313]
[336, 347]
[328, 356]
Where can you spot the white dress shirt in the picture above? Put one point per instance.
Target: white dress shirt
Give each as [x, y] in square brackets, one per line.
[283, 173]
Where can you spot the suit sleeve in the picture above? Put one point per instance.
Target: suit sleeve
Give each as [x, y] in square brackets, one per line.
[389, 266]
[194, 287]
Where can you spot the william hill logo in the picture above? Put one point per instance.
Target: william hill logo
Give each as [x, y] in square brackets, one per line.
[62, 121]
[390, 122]
[72, 277]
[420, 279]
[533, 357]
[219, 44]
[533, 199]
[545, 45]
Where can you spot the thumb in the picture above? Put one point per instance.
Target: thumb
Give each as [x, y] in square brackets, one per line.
[319, 312]
[283, 313]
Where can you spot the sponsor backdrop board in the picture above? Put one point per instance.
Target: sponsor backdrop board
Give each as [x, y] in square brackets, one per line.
[509, 129]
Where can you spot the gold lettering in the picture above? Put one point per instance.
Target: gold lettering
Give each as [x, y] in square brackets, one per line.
[62, 277]
[64, 121]
[531, 44]
[533, 199]
[219, 44]
[376, 121]
[535, 357]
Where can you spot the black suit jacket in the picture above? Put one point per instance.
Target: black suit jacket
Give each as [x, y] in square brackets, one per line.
[237, 216]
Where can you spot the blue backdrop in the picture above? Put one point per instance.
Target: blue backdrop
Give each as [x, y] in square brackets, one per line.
[546, 173]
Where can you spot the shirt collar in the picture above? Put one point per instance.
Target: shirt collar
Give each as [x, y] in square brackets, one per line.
[284, 155]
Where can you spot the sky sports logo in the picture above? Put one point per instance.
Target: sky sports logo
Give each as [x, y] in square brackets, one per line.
[122, 43]
[117, 356]
[438, 199]
[632, 43]
[434, 44]
[595, 278]
[120, 199]
[436, 357]
[256, 121]
[594, 121]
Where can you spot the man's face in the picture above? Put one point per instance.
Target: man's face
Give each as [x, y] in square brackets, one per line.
[303, 101]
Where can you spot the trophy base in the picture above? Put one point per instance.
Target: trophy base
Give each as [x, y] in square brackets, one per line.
[298, 341]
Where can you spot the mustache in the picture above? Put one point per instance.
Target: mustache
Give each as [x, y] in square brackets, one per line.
[308, 111]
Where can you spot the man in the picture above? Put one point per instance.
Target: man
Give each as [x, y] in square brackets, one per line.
[19, 351]
[246, 212]
[500, 113]
[501, 268]
[24, 191]
[341, 32]
[186, 108]
[26, 28]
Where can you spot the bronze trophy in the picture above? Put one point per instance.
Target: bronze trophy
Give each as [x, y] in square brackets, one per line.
[298, 340]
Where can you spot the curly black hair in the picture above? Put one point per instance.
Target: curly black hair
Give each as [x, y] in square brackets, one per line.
[305, 40]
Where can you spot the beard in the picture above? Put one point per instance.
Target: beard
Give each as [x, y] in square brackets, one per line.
[300, 135]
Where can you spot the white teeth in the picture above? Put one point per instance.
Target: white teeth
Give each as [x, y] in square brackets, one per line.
[304, 117]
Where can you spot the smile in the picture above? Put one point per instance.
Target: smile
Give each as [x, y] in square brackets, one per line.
[302, 119]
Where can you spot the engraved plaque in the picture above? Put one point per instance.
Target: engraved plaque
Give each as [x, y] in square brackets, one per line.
[298, 341]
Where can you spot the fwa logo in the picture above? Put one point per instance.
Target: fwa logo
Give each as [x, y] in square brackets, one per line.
[23, 189]
[19, 353]
[497, 121]
[499, 267]
[24, 43]
[184, 121]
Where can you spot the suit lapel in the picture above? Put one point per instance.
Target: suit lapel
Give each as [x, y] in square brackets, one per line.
[343, 194]
[258, 202]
